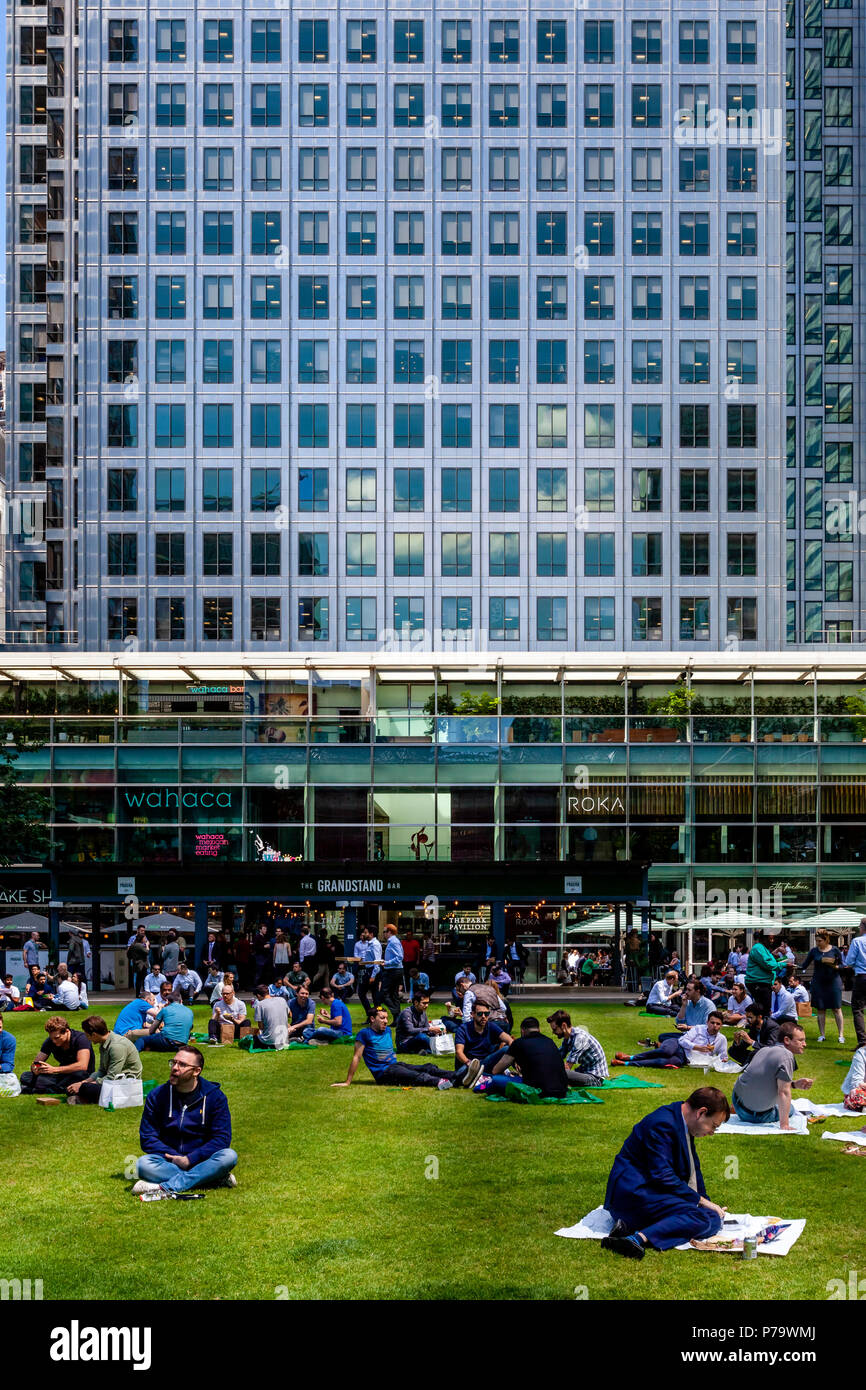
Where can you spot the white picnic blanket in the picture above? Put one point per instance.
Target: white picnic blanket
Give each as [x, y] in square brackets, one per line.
[737, 1126]
[713, 1063]
[598, 1223]
[854, 1136]
[811, 1107]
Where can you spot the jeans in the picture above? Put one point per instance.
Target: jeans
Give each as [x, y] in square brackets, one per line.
[755, 1117]
[667, 1054]
[403, 1074]
[321, 1034]
[40, 1084]
[155, 1168]
[88, 1092]
[366, 989]
[420, 1044]
[487, 1064]
[389, 991]
[157, 1042]
[858, 1000]
[582, 1078]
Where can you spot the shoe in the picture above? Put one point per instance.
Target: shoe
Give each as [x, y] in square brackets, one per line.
[212, 1042]
[670, 1066]
[443, 1085]
[820, 1038]
[72, 1100]
[646, 1042]
[141, 1187]
[483, 1085]
[842, 1038]
[631, 1246]
[472, 1072]
[619, 1228]
[622, 1056]
[229, 1181]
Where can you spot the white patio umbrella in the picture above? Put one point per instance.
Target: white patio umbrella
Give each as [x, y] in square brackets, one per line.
[835, 919]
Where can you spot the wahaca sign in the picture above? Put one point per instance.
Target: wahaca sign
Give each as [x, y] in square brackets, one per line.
[164, 800]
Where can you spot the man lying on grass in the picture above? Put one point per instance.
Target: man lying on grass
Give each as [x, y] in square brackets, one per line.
[655, 1192]
[374, 1043]
[185, 1132]
[704, 1040]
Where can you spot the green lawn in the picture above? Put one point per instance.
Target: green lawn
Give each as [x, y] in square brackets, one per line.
[333, 1199]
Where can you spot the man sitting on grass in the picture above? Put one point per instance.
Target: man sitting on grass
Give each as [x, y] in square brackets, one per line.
[185, 1132]
[414, 1029]
[762, 1093]
[655, 1191]
[118, 1057]
[539, 1060]
[37, 991]
[758, 1032]
[303, 1014]
[170, 1029]
[375, 1045]
[188, 982]
[332, 1022]
[230, 1009]
[583, 1055]
[482, 1039]
[665, 996]
[705, 1039]
[131, 1022]
[271, 1013]
[9, 1083]
[73, 1058]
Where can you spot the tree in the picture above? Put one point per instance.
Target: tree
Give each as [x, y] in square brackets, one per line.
[24, 815]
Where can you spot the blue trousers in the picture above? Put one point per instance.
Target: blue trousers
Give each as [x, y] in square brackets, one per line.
[487, 1068]
[755, 1117]
[321, 1034]
[667, 1054]
[155, 1168]
[665, 1219]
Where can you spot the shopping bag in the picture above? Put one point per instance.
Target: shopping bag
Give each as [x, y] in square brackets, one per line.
[441, 1044]
[804, 1010]
[123, 1093]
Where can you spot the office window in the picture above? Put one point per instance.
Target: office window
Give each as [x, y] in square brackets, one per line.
[646, 41]
[313, 169]
[646, 106]
[265, 46]
[122, 174]
[408, 104]
[694, 619]
[313, 361]
[313, 490]
[456, 41]
[218, 41]
[646, 619]
[361, 297]
[504, 555]
[742, 554]
[456, 358]
[456, 170]
[266, 105]
[361, 233]
[694, 45]
[599, 426]
[169, 426]
[360, 554]
[503, 41]
[598, 106]
[456, 298]
[266, 173]
[122, 614]
[408, 40]
[551, 106]
[646, 361]
[742, 42]
[646, 233]
[170, 41]
[743, 619]
[217, 490]
[361, 110]
[456, 426]
[217, 426]
[646, 427]
[742, 490]
[599, 489]
[361, 623]
[409, 298]
[121, 489]
[265, 432]
[742, 297]
[170, 489]
[646, 490]
[360, 426]
[409, 359]
[313, 104]
[122, 554]
[742, 426]
[360, 40]
[217, 559]
[313, 41]
[313, 425]
[408, 554]
[169, 553]
[456, 555]
[599, 361]
[694, 553]
[123, 102]
[599, 297]
[599, 555]
[409, 232]
[218, 297]
[503, 105]
[503, 170]
[218, 366]
[408, 427]
[694, 170]
[313, 557]
[360, 489]
[551, 619]
[503, 361]
[313, 298]
[551, 233]
[456, 490]
[218, 168]
[646, 554]
[599, 619]
[646, 296]
[551, 431]
[694, 490]
[551, 489]
[742, 171]
[503, 490]
[694, 426]
[217, 234]
[313, 619]
[504, 426]
[646, 171]
[598, 41]
[742, 234]
[504, 234]
[218, 104]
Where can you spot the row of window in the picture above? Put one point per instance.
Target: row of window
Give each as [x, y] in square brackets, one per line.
[409, 234]
[645, 102]
[455, 554]
[361, 105]
[408, 619]
[455, 365]
[219, 44]
[408, 295]
[407, 492]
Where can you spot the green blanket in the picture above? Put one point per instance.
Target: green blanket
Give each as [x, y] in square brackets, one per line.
[625, 1083]
[521, 1094]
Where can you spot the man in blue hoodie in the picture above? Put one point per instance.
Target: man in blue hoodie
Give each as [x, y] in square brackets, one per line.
[185, 1132]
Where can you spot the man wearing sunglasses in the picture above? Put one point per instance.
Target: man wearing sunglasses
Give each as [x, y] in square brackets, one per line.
[481, 1038]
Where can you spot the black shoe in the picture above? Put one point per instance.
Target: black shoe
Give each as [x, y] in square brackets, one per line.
[624, 1245]
[620, 1229]
[647, 1042]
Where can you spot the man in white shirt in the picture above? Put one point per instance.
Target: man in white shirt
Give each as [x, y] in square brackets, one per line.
[701, 1038]
[783, 1005]
[10, 994]
[67, 996]
[306, 950]
[665, 996]
[188, 982]
[154, 981]
[706, 1040]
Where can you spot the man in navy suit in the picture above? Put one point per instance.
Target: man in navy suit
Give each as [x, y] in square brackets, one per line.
[655, 1191]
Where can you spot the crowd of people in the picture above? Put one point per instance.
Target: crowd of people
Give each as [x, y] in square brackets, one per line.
[469, 1042]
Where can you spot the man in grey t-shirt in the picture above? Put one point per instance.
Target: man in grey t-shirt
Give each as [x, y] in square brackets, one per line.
[271, 1013]
[762, 1093]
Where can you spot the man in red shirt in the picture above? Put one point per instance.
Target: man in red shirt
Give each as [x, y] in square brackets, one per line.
[411, 956]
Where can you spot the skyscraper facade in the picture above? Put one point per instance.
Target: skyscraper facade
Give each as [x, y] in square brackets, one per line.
[354, 326]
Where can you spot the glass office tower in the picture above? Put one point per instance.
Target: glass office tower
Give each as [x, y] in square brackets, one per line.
[365, 326]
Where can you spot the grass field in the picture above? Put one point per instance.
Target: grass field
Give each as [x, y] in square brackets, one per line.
[334, 1200]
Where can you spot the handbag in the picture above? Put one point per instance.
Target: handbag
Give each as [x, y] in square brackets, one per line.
[122, 1093]
[804, 1010]
[441, 1044]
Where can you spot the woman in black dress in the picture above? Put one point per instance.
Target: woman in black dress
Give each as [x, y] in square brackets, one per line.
[826, 987]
